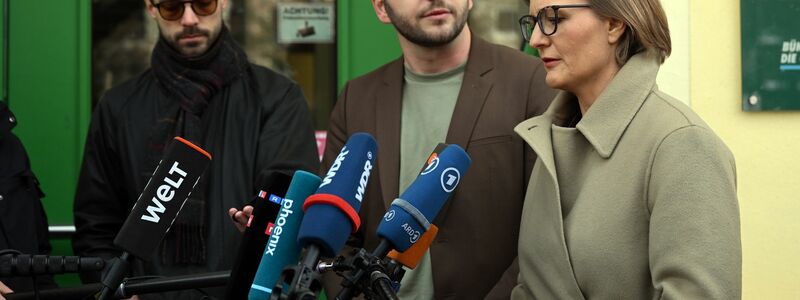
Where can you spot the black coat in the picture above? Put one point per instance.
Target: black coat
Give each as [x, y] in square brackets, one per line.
[256, 125]
[23, 222]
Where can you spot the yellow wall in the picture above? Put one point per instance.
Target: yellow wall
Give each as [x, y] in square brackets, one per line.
[766, 147]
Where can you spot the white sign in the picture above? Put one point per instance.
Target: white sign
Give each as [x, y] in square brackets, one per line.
[305, 23]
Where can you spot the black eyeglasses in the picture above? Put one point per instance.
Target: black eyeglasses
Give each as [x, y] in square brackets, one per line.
[172, 10]
[547, 18]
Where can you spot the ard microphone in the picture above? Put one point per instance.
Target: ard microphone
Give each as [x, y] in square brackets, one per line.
[266, 206]
[411, 214]
[332, 212]
[282, 248]
[158, 205]
[411, 257]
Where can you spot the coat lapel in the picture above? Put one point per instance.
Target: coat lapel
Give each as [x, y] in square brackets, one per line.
[545, 206]
[475, 88]
[387, 120]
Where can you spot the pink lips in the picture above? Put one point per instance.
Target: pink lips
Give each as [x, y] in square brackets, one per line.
[437, 13]
[550, 62]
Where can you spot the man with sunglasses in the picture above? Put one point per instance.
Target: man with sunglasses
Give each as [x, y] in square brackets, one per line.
[200, 86]
[449, 86]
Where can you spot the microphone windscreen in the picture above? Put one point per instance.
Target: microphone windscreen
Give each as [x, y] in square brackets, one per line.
[332, 212]
[282, 248]
[411, 257]
[162, 198]
[266, 205]
[411, 214]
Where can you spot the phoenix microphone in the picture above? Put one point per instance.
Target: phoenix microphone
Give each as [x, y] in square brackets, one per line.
[266, 206]
[282, 248]
[158, 205]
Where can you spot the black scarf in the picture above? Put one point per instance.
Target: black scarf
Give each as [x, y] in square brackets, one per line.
[193, 82]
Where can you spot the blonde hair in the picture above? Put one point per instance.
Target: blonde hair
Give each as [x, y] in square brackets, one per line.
[646, 27]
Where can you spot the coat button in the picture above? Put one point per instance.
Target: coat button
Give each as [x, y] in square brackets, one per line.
[1, 197]
[11, 119]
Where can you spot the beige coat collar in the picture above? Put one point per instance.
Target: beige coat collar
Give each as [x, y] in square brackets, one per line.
[606, 120]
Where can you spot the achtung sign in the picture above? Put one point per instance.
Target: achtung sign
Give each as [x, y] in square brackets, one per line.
[305, 23]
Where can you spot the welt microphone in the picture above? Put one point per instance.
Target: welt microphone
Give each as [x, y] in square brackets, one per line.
[266, 206]
[157, 206]
[282, 248]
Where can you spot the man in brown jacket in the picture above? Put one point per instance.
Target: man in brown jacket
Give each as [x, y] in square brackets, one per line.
[448, 86]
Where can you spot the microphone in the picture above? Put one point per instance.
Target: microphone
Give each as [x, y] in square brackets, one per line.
[333, 210]
[266, 206]
[409, 215]
[331, 215]
[27, 265]
[158, 205]
[411, 257]
[282, 248]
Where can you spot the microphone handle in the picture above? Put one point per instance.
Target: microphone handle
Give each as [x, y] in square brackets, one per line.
[177, 283]
[114, 277]
[70, 293]
[348, 292]
[382, 286]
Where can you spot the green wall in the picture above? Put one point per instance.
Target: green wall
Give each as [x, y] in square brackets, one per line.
[49, 92]
[364, 43]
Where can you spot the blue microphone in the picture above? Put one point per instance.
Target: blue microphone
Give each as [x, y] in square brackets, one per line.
[282, 248]
[411, 215]
[332, 212]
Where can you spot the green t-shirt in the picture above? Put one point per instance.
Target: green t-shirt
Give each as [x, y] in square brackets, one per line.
[428, 103]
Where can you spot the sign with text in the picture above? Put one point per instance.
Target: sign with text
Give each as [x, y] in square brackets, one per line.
[305, 23]
[770, 55]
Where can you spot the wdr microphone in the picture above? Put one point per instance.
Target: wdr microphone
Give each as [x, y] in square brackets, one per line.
[158, 205]
[411, 214]
[332, 212]
[266, 205]
[331, 215]
[282, 248]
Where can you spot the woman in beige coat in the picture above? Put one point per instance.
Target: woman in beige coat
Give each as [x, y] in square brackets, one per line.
[633, 196]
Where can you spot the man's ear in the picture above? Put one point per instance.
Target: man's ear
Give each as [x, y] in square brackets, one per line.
[616, 28]
[151, 10]
[380, 11]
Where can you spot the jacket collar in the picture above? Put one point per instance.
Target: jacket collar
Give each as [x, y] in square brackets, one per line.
[475, 88]
[612, 112]
[609, 116]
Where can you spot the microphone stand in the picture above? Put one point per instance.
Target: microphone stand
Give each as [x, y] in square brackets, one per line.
[377, 284]
[167, 284]
[114, 276]
[303, 280]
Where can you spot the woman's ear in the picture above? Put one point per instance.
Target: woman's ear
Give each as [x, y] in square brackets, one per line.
[616, 29]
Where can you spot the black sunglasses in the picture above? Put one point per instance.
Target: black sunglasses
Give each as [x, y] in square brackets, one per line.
[547, 19]
[172, 10]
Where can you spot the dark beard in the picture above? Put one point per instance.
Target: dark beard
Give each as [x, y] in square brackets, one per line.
[418, 36]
